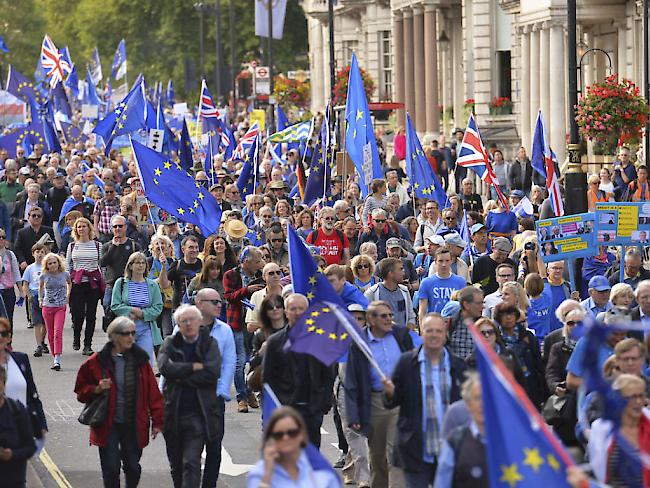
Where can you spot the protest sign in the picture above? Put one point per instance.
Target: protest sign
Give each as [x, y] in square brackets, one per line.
[567, 237]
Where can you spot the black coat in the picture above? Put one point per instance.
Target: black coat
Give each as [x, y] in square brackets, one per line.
[408, 396]
[178, 373]
[34, 405]
[556, 364]
[18, 437]
[280, 370]
[26, 238]
[357, 382]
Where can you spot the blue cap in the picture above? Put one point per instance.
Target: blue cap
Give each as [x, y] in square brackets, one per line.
[517, 194]
[477, 227]
[450, 309]
[599, 283]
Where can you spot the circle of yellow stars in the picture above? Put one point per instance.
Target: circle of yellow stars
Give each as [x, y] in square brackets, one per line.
[31, 132]
[167, 165]
[313, 327]
[534, 460]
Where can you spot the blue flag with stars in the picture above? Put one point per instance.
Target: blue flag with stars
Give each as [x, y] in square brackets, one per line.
[185, 149]
[306, 278]
[27, 137]
[169, 186]
[52, 143]
[23, 88]
[72, 81]
[319, 182]
[359, 135]
[423, 179]
[246, 180]
[521, 449]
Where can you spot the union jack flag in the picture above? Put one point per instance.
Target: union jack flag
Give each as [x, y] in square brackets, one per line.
[472, 155]
[246, 142]
[543, 161]
[207, 109]
[55, 66]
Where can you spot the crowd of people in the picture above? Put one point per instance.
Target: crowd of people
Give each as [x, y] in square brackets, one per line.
[194, 321]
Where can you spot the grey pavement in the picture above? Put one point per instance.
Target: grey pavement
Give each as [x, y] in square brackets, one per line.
[68, 442]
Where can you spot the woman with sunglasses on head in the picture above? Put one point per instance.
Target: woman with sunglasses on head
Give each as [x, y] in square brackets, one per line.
[284, 462]
[139, 298]
[9, 278]
[122, 370]
[19, 384]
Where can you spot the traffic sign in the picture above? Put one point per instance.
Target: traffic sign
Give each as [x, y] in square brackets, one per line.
[262, 80]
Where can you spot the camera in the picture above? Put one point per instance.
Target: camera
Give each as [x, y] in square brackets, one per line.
[530, 246]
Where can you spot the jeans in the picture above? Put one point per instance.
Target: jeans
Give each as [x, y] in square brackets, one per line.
[240, 382]
[184, 448]
[54, 319]
[144, 339]
[9, 299]
[313, 422]
[108, 296]
[213, 451]
[121, 448]
[421, 479]
[83, 306]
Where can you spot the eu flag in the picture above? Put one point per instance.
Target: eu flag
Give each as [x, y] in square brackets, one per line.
[169, 186]
[27, 136]
[185, 149]
[128, 116]
[246, 180]
[71, 133]
[319, 182]
[72, 81]
[522, 449]
[51, 138]
[424, 181]
[118, 68]
[170, 94]
[23, 88]
[305, 275]
[359, 135]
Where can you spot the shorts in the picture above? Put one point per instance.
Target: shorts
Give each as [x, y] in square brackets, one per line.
[37, 314]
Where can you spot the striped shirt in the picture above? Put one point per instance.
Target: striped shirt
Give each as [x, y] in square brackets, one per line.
[83, 255]
[138, 294]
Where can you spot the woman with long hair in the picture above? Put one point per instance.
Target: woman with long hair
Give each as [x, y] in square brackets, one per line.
[377, 199]
[271, 319]
[210, 276]
[305, 224]
[217, 245]
[363, 269]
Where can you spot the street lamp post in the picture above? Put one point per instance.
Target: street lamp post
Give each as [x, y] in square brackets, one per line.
[646, 73]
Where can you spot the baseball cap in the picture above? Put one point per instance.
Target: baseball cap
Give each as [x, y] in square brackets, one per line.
[599, 283]
[436, 239]
[393, 242]
[477, 228]
[455, 239]
[502, 244]
[24, 170]
[355, 307]
[450, 309]
[517, 194]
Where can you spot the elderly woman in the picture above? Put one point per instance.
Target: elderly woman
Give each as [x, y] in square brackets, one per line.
[363, 269]
[604, 449]
[122, 371]
[284, 461]
[83, 256]
[162, 257]
[139, 298]
[369, 249]
[621, 295]
[560, 353]
[558, 335]
[17, 442]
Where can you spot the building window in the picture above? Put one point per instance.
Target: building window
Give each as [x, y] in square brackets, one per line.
[504, 79]
[348, 47]
[385, 66]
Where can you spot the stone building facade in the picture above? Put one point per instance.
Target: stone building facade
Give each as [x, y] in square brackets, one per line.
[434, 55]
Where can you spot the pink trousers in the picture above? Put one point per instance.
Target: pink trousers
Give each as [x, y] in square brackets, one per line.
[54, 319]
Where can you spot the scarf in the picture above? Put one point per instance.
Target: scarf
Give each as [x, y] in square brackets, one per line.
[432, 435]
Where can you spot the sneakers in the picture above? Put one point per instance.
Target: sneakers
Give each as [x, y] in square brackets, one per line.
[87, 351]
[242, 406]
[30, 325]
[45, 349]
[252, 401]
[38, 352]
[340, 462]
[56, 366]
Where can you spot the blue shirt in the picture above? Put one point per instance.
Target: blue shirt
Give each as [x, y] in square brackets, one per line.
[575, 364]
[307, 476]
[539, 314]
[222, 333]
[437, 291]
[501, 222]
[386, 352]
[593, 309]
[558, 295]
[440, 411]
[447, 460]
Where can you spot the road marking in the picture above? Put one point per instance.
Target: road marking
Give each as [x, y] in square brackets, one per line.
[227, 466]
[323, 431]
[54, 470]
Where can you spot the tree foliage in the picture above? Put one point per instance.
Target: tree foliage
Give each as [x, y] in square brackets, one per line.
[162, 37]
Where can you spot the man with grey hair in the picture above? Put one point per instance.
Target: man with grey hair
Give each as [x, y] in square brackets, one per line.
[298, 380]
[10, 187]
[190, 363]
[379, 232]
[333, 243]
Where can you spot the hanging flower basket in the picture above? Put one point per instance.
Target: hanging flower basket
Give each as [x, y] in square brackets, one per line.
[611, 113]
[291, 92]
[341, 86]
[500, 106]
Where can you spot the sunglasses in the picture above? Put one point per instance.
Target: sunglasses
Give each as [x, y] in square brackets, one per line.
[5, 333]
[279, 435]
[127, 333]
[363, 266]
[330, 219]
[450, 218]
[379, 221]
[36, 216]
[118, 226]
[388, 315]
[214, 302]
[2, 237]
[275, 273]
[488, 333]
[276, 307]
[571, 323]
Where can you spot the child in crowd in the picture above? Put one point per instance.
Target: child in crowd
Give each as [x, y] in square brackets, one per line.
[31, 282]
[53, 295]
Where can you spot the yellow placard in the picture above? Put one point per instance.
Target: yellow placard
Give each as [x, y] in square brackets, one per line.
[628, 219]
[259, 116]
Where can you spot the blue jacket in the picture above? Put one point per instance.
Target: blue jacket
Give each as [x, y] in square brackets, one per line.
[408, 396]
[358, 381]
[351, 294]
[34, 405]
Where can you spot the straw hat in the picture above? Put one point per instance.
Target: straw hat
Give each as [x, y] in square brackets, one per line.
[235, 229]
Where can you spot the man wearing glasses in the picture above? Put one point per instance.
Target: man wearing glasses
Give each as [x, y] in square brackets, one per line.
[233, 197]
[334, 244]
[277, 245]
[105, 208]
[27, 237]
[505, 273]
[449, 223]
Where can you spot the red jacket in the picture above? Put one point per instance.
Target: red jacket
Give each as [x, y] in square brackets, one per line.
[234, 293]
[149, 408]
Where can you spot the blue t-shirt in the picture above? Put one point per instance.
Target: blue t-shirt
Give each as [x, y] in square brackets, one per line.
[502, 222]
[32, 275]
[539, 314]
[558, 295]
[438, 290]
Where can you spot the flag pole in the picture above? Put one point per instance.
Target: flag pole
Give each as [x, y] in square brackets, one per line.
[256, 163]
[198, 117]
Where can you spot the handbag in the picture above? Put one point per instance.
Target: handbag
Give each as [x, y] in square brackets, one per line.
[109, 315]
[94, 412]
[254, 379]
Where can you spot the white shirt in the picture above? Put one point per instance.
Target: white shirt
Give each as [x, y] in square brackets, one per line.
[16, 386]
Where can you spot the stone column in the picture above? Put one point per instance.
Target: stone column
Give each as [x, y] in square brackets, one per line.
[431, 70]
[326, 62]
[524, 77]
[316, 64]
[409, 80]
[544, 79]
[458, 86]
[534, 76]
[420, 64]
[398, 63]
[557, 116]
[621, 58]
